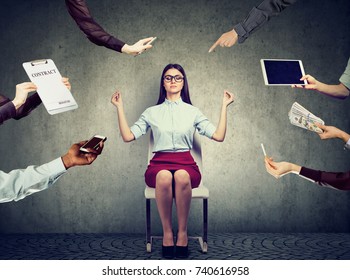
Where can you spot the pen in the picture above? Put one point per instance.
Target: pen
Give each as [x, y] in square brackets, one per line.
[263, 148]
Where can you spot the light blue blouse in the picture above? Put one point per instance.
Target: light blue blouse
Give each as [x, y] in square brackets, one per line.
[173, 125]
[20, 183]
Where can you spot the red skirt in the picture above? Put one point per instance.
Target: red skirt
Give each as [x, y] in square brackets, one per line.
[172, 162]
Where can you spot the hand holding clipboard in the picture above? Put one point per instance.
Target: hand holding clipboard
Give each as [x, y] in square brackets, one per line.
[54, 94]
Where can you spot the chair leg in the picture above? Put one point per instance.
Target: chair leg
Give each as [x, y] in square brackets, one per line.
[148, 226]
[205, 225]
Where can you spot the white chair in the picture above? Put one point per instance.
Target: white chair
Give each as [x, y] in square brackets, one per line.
[201, 192]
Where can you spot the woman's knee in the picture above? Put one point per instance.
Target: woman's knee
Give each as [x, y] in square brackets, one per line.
[182, 178]
[164, 179]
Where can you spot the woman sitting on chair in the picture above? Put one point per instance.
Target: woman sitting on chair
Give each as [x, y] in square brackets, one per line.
[173, 122]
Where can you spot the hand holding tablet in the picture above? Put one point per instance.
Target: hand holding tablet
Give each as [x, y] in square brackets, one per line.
[312, 83]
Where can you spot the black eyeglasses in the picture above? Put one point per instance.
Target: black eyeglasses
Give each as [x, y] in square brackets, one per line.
[177, 78]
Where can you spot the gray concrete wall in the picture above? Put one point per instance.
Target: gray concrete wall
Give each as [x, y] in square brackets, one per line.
[108, 196]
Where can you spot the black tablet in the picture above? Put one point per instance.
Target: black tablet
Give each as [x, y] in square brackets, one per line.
[282, 72]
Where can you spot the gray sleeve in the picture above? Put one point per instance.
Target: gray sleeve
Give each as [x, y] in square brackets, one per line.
[258, 16]
[345, 78]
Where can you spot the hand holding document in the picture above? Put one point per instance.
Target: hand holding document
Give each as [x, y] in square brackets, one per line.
[54, 94]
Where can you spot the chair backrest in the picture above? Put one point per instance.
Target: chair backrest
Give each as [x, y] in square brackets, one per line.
[196, 151]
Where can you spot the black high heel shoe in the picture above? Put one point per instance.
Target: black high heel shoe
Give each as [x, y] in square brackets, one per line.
[168, 252]
[181, 252]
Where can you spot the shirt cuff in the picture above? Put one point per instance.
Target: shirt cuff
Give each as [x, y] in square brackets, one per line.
[57, 168]
[347, 145]
[241, 32]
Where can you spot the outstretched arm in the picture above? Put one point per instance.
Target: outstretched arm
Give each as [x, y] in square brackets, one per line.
[93, 31]
[337, 91]
[257, 17]
[220, 132]
[20, 183]
[97, 35]
[124, 128]
[338, 180]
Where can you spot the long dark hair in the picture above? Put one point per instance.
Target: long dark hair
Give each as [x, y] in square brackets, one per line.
[185, 93]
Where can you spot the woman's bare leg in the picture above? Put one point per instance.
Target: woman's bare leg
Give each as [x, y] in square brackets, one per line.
[183, 196]
[164, 199]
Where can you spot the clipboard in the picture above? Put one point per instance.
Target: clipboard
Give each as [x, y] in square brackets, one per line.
[53, 93]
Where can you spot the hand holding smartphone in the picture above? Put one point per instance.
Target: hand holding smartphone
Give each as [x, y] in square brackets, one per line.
[93, 143]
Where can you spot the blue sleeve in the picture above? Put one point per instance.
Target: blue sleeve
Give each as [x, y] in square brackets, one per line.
[203, 125]
[141, 127]
[20, 183]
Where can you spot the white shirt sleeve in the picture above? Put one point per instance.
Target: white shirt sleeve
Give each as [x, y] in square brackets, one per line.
[20, 183]
[347, 145]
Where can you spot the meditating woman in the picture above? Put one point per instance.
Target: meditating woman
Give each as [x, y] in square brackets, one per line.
[173, 122]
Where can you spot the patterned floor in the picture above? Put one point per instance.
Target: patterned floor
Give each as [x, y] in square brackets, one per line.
[244, 246]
